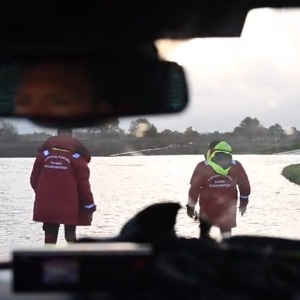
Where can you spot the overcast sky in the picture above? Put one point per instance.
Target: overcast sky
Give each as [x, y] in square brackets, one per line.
[257, 75]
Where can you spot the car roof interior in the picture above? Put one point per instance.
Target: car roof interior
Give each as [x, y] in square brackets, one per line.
[113, 23]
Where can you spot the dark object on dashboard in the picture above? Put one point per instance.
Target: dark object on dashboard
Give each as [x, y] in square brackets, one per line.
[84, 268]
[152, 224]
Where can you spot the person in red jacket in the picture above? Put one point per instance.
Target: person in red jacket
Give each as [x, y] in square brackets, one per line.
[214, 184]
[60, 180]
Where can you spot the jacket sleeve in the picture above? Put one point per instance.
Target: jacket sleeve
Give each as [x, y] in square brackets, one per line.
[243, 185]
[36, 170]
[195, 186]
[82, 174]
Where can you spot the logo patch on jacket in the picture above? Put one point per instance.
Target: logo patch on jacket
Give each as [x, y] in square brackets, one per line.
[46, 152]
[220, 181]
[76, 155]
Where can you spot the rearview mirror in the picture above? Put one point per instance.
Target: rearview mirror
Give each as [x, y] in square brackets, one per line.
[80, 91]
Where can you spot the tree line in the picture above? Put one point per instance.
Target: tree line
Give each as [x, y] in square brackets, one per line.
[250, 136]
[142, 128]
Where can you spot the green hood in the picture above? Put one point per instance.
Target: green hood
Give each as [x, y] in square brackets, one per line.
[222, 147]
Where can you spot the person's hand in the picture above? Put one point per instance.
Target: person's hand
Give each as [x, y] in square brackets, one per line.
[90, 217]
[242, 209]
[196, 216]
[190, 210]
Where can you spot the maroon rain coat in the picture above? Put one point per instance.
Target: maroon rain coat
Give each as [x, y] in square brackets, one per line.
[60, 179]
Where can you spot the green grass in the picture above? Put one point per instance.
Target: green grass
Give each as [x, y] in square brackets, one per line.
[292, 173]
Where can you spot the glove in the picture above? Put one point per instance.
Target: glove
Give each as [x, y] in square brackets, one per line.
[196, 217]
[90, 217]
[242, 209]
[243, 204]
[190, 211]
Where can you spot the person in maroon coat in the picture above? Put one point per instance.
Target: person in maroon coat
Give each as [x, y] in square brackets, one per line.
[214, 184]
[60, 180]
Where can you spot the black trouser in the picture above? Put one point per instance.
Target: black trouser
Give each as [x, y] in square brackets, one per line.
[51, 233]
[205, 228]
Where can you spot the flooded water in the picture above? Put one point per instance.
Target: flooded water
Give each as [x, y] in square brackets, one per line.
[124, 185]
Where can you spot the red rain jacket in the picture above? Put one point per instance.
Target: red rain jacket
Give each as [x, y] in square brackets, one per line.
[218, 194]
[60, 179]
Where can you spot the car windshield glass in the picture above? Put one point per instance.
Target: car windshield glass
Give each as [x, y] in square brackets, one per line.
[227, 156]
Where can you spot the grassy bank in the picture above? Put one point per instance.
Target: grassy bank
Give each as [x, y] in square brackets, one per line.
[292, 173]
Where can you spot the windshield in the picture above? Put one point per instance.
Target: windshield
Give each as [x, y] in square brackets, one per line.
[244, 92]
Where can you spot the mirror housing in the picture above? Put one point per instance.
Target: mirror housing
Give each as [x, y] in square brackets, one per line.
[86, 89]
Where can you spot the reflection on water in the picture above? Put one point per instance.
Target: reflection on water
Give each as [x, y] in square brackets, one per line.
[124, 185]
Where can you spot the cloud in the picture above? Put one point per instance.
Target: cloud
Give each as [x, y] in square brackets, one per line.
[256, 75]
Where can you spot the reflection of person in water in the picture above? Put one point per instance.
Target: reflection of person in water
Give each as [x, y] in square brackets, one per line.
[57, 89]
